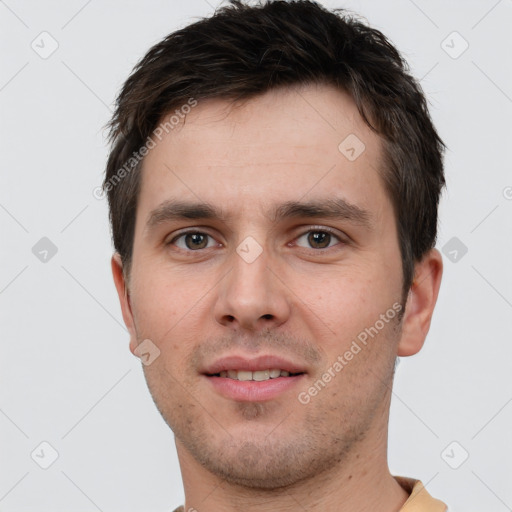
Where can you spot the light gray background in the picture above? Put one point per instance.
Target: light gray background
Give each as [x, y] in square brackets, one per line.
[67, 376]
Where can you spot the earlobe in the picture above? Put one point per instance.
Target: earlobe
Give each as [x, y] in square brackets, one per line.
[124, 298]
[420, 304]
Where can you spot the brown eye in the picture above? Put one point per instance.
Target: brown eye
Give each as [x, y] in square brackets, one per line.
[196, 241]
[193, 241]
[318, 239]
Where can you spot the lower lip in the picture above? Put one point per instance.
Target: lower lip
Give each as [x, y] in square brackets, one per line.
[251, 390]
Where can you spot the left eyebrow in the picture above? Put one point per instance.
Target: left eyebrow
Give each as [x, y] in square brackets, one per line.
[337, 208]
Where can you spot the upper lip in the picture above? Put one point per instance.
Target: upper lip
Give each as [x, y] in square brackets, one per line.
[254, 364]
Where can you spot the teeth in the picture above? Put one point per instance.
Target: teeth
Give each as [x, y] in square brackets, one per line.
[258, 376]
[243, 375]
[261, 375]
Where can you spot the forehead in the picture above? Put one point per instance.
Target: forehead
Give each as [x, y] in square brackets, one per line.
[285, 145]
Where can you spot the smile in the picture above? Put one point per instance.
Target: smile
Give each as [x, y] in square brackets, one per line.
[261, 375]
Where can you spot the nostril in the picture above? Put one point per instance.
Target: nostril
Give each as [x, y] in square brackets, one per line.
[267, 317]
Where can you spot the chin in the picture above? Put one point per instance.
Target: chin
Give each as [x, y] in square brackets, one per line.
[249, 467]
[262, 460]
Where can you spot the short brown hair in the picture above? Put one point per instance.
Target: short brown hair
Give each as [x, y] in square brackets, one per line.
[243, 51]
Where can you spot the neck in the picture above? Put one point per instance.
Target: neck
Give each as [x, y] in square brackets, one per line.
[361, 482]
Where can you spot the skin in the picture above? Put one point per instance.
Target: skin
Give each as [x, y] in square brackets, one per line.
[298, 299]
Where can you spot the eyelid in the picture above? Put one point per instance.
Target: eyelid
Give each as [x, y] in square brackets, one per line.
[196, 229]
[340, 237]
[338, 234]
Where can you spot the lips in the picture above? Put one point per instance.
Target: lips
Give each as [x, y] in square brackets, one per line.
[258, 376]
[259, 364]
[259, 379]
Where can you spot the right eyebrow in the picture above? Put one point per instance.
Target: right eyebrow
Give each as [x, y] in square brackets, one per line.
[182, 210]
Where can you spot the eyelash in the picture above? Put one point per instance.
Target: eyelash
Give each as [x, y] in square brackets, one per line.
[313, 229]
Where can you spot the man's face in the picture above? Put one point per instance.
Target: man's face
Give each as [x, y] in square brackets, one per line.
[268, 279]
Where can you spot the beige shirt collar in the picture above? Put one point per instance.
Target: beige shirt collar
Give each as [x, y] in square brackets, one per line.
[419, 499]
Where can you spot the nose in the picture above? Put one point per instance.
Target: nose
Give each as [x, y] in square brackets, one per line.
[251, 296]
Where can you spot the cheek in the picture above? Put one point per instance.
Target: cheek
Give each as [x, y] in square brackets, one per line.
[162, 306]
[342, 297]
[349, 303]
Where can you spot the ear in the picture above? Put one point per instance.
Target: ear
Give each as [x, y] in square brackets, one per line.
[420, 303]
[124, 298]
